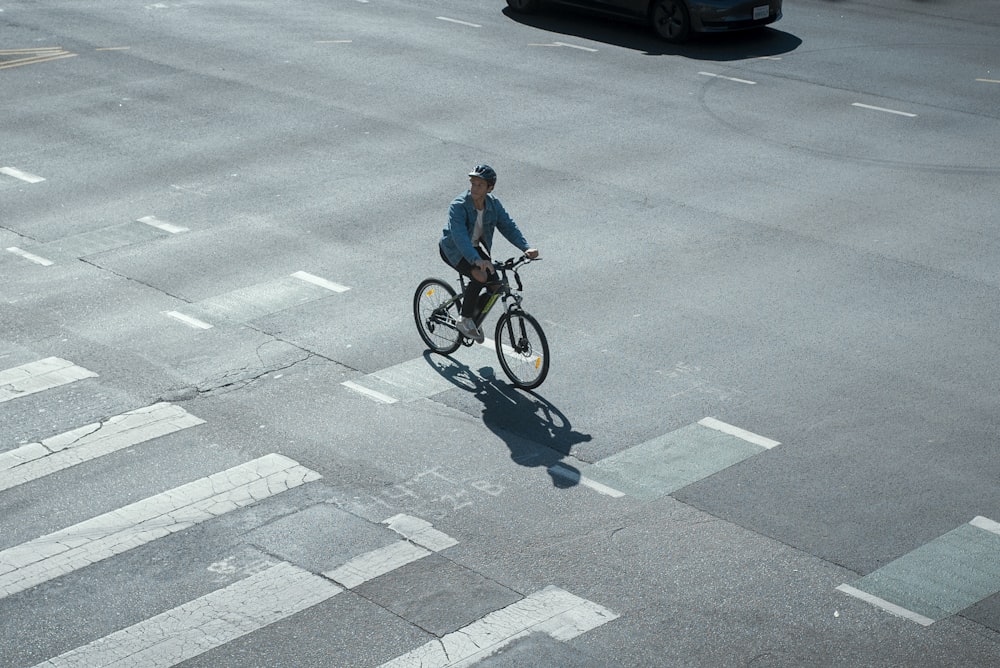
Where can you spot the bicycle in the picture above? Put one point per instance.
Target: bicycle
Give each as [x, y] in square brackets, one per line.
[519, 341]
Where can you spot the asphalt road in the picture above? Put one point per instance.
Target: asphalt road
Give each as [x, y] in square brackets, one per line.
[770, 287]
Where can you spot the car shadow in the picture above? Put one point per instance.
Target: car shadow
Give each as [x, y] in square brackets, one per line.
[536, 432]
[723, 47]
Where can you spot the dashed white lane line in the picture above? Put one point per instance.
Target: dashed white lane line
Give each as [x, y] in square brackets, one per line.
[153, 221]
[37, 259]
[99, 538]
[938, 579]
[38, 376]
[372, 394]
[883, 109]
[188, 320]
[748, 436]
[553, 611]
[986, 524]
[568, 46]
[37, 460]
[993, 81]
[720, 76]
[567, 473]
[674, 460]
[464, 23]
[892, 608]
[205, 623]
[259, 300]
[23, 176]
[321, 282]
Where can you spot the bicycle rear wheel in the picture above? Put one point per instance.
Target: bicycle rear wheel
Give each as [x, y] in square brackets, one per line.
[436, 310]
[522, 349]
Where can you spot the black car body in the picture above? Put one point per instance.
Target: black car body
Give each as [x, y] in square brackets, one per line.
[675, 20]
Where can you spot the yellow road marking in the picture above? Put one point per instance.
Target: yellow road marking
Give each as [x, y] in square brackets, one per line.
[32, 56]
[43, 49]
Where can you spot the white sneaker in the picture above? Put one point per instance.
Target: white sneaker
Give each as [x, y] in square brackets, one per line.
[467, 327]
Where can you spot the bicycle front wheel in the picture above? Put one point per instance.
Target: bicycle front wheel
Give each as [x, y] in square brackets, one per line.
[436, 309]
[522, 349]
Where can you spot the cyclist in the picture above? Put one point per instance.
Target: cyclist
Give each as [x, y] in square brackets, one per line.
[466, 240]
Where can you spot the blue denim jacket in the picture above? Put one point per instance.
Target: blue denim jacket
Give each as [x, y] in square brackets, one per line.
[456, 239]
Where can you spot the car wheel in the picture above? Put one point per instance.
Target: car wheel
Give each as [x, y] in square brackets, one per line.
[524, 6]
[671, 20]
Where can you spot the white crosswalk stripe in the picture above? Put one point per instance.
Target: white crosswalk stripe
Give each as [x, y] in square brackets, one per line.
[204, 623]
[247, 606]
[36, 460]
[421, 540]
[56, 554]
[261, 598]
[558, 613]
[38, 376]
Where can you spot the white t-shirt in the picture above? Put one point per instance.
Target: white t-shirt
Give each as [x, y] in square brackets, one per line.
[477, 232]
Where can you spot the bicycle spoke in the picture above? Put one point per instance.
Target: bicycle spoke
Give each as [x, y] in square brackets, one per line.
[522, 349]
[435, 310]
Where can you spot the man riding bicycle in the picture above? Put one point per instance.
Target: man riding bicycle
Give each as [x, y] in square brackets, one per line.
[468, 237]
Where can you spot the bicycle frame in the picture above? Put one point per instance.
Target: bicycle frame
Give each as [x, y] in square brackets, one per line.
[520, 343]
[500, 287]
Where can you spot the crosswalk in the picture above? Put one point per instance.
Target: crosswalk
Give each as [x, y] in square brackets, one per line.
[255, 600]
[936, 581]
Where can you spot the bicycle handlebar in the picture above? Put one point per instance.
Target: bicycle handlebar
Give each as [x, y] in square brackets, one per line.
[511, 263]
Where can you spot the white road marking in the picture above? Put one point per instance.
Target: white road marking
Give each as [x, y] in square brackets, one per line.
[18, 174]
[748, 436]
[38, 376]
[37, 259]
[986, 524]
[377, 396]
[333, 41]
[99, 538]
[566, 472]
[421, 540]
[996, 81]
[205, 623]
[886, 605]
[37, 460]
[569, 46]
[420, 532]
[378, 562]
[888, 111]
[554, 611]
[321, 282]
[720, 76]
[162, 225]
[464, 23]
[492, 345]
[187, 320]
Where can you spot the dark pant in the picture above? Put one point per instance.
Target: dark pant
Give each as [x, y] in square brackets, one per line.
[473, 287]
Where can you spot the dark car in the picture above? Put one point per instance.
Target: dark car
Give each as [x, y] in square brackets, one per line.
[675, 20]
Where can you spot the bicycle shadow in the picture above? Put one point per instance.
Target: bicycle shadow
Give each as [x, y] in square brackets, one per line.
[535, 431]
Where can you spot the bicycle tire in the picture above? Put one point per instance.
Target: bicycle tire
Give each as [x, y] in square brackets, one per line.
[435, 322]
[522, 349]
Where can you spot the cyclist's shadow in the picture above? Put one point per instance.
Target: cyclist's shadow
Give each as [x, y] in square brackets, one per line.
[536, 432]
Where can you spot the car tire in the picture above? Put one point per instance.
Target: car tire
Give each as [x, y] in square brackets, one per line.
[671, 20]
[524, 6]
